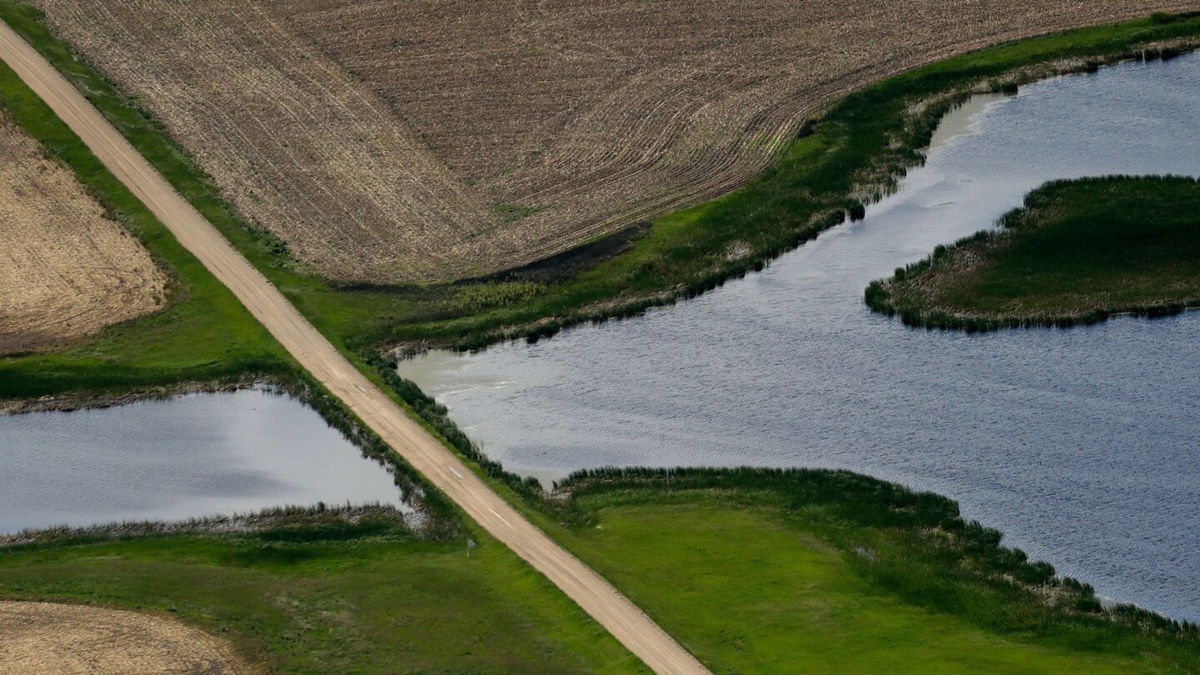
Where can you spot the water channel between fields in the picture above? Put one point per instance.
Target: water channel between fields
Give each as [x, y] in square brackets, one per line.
[1079, 444]
[189, 456]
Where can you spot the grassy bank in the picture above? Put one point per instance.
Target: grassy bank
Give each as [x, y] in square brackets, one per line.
[324, 593]
[771, 571]
[753, 570]
[1078, 252]
[852, 153]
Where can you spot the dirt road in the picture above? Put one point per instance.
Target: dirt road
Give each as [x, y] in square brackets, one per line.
[595, 595]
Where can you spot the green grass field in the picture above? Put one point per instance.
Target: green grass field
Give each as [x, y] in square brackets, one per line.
[753, 571]
[1077, 252]
[824, 572]
[367, 598]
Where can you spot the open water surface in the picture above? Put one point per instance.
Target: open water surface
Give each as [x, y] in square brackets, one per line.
[1079, 444]
[189, 456]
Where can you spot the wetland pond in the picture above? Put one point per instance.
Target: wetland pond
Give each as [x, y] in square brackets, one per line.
[188, 456]
[1079, 444]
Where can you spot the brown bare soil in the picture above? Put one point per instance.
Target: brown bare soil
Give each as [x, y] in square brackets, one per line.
[42, 637]
[65, 270]
[416, 141]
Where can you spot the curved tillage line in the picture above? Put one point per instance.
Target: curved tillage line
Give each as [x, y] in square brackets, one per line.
[299, 146]
[376, 137]
[421, 450]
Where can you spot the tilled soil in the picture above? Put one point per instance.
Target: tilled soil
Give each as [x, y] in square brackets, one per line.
[41, 637]
[415, 141]
[65, 269]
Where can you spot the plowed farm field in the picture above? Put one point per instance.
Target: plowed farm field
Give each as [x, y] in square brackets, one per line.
[392, 142]
[66, 270]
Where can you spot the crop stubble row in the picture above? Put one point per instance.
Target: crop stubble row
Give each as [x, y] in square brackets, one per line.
[391, 141]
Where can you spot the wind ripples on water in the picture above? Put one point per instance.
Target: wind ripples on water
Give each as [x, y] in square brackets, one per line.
[1079, 444]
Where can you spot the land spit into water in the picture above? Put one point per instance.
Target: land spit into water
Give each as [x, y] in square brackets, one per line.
[1078, 252]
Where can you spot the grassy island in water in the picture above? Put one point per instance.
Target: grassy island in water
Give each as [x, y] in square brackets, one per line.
[1079, 251]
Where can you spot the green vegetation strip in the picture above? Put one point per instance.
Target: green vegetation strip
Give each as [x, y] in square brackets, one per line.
[1078, 252]
[753, 570]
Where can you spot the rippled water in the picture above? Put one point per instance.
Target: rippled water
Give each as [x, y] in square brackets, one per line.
[1080, 444]
[195, 455]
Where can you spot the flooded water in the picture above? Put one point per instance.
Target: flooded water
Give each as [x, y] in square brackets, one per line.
[1080, 444]
[194, 455]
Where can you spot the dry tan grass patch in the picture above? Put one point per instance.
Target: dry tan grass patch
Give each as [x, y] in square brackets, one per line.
[42, 637]
[65, 269]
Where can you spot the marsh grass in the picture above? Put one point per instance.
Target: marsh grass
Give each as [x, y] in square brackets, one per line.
[319, 522]
[1077, 252]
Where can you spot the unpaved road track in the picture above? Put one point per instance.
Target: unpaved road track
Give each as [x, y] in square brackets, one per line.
[595, 595]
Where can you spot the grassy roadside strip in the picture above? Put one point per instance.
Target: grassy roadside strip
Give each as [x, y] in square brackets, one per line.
[854, 153]
[1077, 252]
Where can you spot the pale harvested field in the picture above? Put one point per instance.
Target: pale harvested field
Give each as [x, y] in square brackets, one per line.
[65, 270]
[39, 637]
[414, 141]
